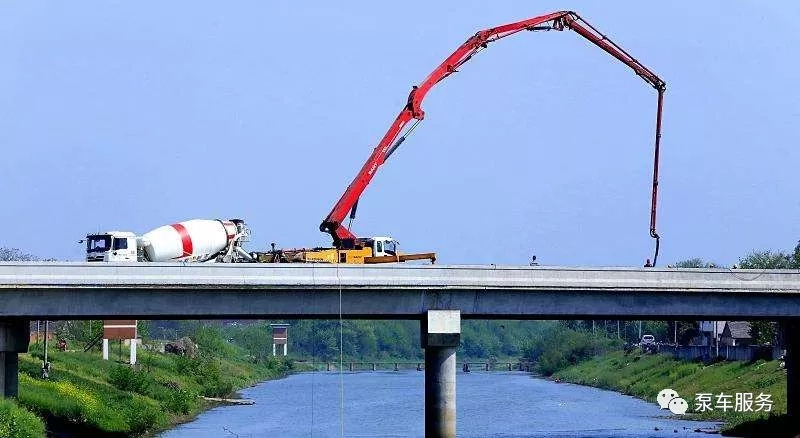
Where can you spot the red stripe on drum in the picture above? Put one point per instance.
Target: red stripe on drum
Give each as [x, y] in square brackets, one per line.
[186, 240]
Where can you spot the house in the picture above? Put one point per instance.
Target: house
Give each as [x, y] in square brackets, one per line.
[730, 333]
[735, 333]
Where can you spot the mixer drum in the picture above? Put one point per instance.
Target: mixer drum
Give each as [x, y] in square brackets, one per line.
[192, 240]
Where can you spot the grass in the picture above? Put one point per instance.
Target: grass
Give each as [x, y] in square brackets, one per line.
[644, 376]
[17, 422]
[87, 394]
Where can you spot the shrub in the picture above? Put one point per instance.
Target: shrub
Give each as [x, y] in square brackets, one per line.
[559, 348]
[126, 379]
[181, 402]
[142, 416]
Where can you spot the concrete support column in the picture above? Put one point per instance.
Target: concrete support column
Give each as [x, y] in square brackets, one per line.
[105, 349]
[441, 334]
[133, 351]
[790, 332]
[14, 338]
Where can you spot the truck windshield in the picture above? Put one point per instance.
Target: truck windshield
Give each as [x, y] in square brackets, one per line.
[98, 243]
[390, 247]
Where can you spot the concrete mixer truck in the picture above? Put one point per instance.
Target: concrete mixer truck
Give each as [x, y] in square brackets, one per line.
[196, 240]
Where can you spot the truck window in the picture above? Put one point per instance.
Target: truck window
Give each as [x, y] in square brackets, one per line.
[390, 247]
[121, 243]
[98, 243]
[379, 247]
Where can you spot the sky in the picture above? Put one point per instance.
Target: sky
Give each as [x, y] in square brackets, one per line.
[132, 115]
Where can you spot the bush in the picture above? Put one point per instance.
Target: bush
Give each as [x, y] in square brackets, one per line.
[217, 388]
[17, 422]
[142, 416]
[181, 402]
[126, 379]
[559, 348]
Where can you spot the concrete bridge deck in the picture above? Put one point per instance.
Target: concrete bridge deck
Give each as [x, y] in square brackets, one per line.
[172, 290]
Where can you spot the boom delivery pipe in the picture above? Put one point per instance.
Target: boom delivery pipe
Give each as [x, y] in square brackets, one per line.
[333, 223]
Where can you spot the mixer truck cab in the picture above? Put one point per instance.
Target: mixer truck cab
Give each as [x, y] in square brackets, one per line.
[112, 246]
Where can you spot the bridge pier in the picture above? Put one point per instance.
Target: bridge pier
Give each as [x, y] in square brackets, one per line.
[441, 333]
[14, 338]
[790, 332]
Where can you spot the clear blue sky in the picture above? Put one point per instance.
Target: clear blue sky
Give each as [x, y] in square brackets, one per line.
[131, 115]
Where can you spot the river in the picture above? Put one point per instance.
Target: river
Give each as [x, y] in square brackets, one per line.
[390, 404]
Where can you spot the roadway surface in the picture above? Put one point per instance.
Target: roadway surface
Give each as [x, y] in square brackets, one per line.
[58, 290]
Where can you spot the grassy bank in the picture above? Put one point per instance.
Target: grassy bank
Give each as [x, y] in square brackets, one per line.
[87, 396]
[643, 376]
[17, 422]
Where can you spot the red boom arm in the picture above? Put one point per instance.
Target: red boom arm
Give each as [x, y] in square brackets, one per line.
[413, 110]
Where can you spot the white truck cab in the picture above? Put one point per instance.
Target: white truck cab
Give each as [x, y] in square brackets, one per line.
[112, 246]
[384, 246]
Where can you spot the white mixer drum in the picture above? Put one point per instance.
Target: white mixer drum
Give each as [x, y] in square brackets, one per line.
[194, 240]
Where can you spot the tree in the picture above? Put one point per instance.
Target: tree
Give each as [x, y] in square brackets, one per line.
[769, 260]
[695, 263]
[15, 255]
[686, 330]
[765, 332]
[796, 256]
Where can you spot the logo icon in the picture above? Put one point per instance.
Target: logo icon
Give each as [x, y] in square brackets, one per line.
[678, 406]
[669, 399]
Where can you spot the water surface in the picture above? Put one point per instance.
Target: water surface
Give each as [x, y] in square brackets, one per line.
[390, 404]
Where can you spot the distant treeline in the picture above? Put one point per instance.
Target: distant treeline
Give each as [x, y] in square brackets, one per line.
[365, 340]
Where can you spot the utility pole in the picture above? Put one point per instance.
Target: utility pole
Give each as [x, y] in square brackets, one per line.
[716, 344]
[640, 330]
[617, 329]
[675, 339]
[45, 363]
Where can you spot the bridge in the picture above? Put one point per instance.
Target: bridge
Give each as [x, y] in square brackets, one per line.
[437, 296]
[296, 291]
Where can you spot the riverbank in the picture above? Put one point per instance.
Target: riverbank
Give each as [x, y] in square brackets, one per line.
[87, 396]
[645, 375]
